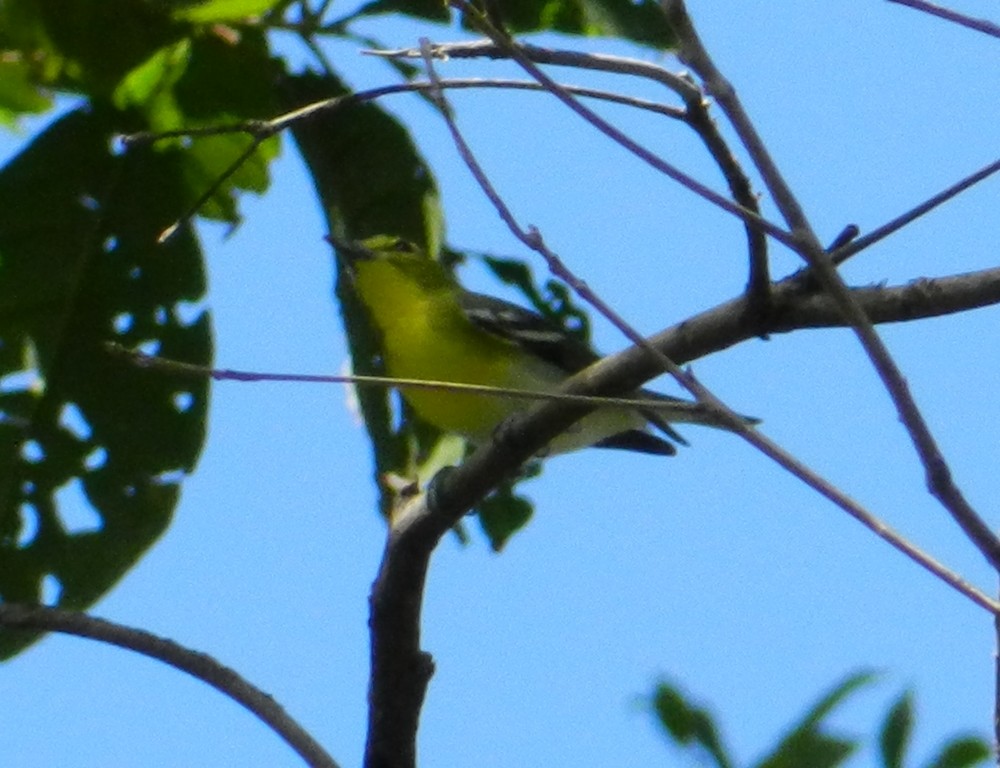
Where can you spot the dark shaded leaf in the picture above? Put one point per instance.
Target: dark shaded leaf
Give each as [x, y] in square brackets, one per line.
[895, 735]
[688, 725]
[505, 512]
[962, 753]
[641, 22]
[433, 10]
[71, 38]
[807, 746]
[79, 267]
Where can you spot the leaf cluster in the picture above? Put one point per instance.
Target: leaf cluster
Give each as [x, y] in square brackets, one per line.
[809, 743]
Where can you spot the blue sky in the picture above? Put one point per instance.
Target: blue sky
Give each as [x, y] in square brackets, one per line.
[712, 568]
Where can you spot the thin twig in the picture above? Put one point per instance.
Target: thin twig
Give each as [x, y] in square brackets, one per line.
[259, 130]
[939, 479]
[199, 665]
[597, 62]
[696, 115]
[880, 233]
[533, 239]
[707, 332]
[650, 158]
[671, 410]
[980, 25]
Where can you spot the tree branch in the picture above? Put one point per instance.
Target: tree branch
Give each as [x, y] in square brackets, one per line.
[980, 25]
[401, 670]
[199, 665]
[695, 115]
[939, 477]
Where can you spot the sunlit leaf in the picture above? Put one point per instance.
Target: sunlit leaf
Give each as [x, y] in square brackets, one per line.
[18, 94]
[224, 10]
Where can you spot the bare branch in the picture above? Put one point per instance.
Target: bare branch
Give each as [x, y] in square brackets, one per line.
[259, 130]
[401, 670]
[939, 478]
[199, 665]
[880, 233]
[650, 158]
[597, 62]
[695, 114]
[980, 25]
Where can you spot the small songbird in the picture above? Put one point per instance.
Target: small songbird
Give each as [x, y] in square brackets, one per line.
[433, 329]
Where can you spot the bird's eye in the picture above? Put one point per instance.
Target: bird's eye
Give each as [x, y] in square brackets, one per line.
[404, 246]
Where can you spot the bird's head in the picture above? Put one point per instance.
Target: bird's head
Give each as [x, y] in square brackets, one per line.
[387, 259]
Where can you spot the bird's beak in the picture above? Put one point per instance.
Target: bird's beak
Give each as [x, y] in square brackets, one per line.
[348, 252]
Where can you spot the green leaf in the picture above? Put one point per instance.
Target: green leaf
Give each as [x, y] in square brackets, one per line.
[18, 94]
[896, 730]
[556, 303]
[225, 84]
[505, 512]
[807, 746]
[433, 10]
[150, 86]
[687, 724]
[158, 73]
[224, 10]
[79, 266]
[962, 753]
[95, 44]
[641, 22]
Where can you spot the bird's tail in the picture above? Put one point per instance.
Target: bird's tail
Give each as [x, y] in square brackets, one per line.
[664, 410]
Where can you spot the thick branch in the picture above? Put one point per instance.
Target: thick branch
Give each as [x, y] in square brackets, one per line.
[401, 670]
[939, 478]
[918, 299]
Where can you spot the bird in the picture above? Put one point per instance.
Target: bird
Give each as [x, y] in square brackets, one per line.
[433, 329]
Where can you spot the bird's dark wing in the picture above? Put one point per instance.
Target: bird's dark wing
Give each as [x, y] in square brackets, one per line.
[551, 343]
[542, 337]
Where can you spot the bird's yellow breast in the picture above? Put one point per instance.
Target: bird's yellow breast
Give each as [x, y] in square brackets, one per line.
[427, 336]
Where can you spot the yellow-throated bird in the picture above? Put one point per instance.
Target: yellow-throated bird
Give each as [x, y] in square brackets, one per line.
[433, 329]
